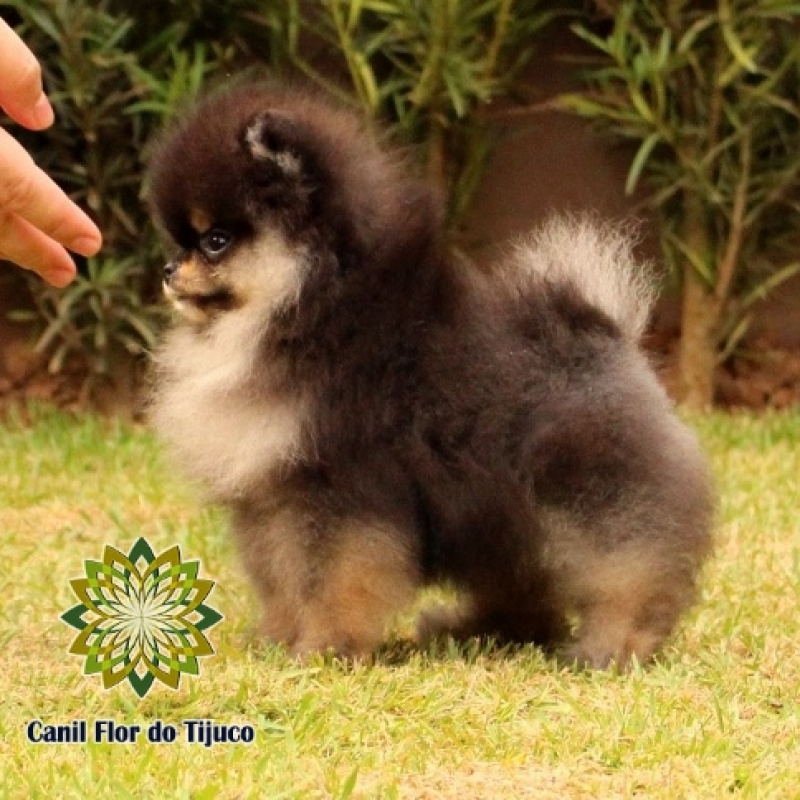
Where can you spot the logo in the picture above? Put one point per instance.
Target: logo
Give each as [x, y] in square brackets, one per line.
[141, 617]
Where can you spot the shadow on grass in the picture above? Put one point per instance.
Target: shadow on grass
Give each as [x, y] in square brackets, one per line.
[403, 652]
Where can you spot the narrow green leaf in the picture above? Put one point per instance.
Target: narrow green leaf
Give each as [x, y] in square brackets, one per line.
[640, 160]
[735, 46]
[349, 785]
[733, 339]
[769, 284]
[695, 259]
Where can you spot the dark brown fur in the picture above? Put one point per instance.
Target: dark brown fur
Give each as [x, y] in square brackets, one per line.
[501, 432]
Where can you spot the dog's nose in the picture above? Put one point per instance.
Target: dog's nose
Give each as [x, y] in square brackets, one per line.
[170, 269]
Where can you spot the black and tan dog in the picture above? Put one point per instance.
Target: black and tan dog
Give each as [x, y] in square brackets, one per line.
[377, 417]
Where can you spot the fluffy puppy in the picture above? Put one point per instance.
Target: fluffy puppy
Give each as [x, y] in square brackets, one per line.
[377, 417]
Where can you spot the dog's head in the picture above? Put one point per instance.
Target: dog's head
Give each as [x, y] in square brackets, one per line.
[268, 191]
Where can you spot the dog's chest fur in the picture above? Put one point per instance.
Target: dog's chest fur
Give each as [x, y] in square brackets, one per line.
[228, 430]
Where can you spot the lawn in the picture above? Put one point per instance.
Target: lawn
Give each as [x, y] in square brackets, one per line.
[716, 716]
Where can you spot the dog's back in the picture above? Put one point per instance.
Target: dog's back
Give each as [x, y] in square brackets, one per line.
[596, 498]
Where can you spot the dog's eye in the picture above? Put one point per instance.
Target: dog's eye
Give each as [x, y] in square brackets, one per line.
[214, 243]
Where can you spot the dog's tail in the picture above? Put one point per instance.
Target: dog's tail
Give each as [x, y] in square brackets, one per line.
[596, 260]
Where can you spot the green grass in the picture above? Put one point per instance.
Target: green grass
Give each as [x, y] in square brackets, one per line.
[717, 716]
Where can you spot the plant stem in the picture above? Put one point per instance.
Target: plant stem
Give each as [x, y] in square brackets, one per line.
[726, 268]
[699, 314]
[502, 21]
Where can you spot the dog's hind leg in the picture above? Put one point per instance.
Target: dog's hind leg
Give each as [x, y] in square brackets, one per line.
[628, 603]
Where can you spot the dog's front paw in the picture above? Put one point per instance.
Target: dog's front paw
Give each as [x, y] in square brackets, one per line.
[278, 625]
[306, 649]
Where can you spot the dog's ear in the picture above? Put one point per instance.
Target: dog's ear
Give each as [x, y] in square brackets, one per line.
[268, 137]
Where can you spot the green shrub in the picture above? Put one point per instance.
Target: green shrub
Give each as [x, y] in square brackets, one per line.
[428, 67]
[96, 318]
[708, 94]
[115, 72]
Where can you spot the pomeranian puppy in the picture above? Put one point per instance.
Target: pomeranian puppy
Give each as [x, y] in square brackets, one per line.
[378, 417]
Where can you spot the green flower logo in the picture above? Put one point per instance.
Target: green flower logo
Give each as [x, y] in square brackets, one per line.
[141, 617]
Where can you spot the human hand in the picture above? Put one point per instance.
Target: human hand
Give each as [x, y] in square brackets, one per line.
[37, 219]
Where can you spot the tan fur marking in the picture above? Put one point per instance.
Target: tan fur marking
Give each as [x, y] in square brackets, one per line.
[318, 602]
[192, 278]
[628, 604]
[200, 220]
[370, 577]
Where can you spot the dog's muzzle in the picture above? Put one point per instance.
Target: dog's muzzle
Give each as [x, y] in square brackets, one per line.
[169, 270]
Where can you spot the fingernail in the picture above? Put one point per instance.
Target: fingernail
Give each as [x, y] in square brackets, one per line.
[86, 245]
[43, 113]
[61, 278]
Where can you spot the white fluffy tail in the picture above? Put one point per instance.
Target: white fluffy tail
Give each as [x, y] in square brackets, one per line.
[596, 258]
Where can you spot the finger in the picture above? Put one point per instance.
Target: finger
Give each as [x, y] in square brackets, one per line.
[28, 192]
[21, 93]
[28, 247]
